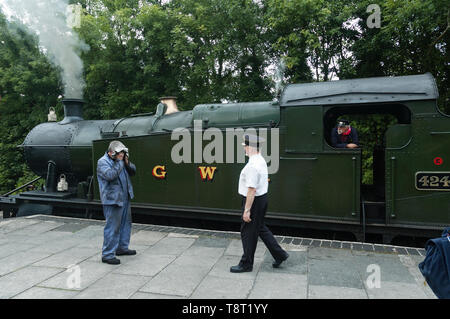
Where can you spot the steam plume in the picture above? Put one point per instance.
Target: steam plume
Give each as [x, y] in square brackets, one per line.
[47, 18]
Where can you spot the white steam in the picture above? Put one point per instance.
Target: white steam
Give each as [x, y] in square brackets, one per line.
[279, 76]
[48, 19]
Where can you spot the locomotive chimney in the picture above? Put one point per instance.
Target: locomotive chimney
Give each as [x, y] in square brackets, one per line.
[73, 110]
[171, 103]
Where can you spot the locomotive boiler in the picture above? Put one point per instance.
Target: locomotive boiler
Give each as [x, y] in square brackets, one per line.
[315, 185]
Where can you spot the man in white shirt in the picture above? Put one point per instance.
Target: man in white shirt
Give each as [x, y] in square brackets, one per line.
[253, 186]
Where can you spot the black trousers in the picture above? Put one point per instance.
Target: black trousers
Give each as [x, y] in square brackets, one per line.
[256, 228]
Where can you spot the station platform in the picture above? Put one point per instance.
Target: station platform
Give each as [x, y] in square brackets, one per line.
[48, 257]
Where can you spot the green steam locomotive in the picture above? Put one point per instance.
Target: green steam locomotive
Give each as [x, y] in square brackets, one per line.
[312, 184]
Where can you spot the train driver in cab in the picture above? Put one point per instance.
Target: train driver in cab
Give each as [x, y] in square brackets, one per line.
[344, 136]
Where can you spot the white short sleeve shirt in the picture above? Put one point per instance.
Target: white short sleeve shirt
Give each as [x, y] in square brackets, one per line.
[255, 175]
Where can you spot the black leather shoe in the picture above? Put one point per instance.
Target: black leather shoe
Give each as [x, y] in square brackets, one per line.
[111, 261]
[125, 252]
[240, 268]
[277, 263]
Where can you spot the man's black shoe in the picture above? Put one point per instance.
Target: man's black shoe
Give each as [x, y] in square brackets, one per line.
[125, 252]
[277, 263]
[240, 268]
[111, 261]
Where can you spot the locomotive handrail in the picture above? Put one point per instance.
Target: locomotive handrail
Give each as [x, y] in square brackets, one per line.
[393, 187]
[54, 146]
[363, 204]
[23, 186]
[354, 184]
[300, 158]
[438, 133]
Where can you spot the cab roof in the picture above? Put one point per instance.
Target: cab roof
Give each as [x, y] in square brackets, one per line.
[365, 90]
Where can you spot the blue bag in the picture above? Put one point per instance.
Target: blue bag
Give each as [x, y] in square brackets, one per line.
[436, 265]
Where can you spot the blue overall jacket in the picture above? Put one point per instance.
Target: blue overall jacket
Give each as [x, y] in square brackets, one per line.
[108, 175]
[436, 266]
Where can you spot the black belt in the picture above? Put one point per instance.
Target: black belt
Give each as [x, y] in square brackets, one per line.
[256, 197]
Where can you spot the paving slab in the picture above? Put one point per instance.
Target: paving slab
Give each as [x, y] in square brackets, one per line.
[70, 228]
[171, 246]
[412, 264]
[335, 268]
[146, 237]
[396, 290]
[332, 292]
[184, 234]
[36, 239]
[66, 258]
[22, 259]
[334, 272]
[222, 268]
[53, 257]
[178, 279]
[212, 242]
[10, 248]
[89, 272]
[204, 251]
[56, 246]
[90, 231]
[390, 267]
[10, 225]
[146, 295]
[92, 242]
[295, 264]
[23, 279]
[35, 229]
[113, 286]
[223, 288]
[45, 293]
[235, 248]
[145, 265]
[270, 285]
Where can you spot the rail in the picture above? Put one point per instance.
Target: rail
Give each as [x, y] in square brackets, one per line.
[19, 188]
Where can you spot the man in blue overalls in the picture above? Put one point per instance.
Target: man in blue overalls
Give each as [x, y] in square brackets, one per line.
[113, 174]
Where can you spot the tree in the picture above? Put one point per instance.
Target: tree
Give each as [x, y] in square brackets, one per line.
[312, 36]
[413, 39]
[29, 85]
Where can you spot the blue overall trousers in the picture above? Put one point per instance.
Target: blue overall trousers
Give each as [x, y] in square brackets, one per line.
[117, 230]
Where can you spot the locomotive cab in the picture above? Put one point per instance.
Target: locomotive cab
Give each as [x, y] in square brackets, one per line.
[393, 129]
[403, 152]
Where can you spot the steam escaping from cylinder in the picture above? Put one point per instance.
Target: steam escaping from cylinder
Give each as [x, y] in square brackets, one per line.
[49, 20]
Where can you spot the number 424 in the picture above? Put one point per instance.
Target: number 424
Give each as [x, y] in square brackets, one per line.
[433, 181]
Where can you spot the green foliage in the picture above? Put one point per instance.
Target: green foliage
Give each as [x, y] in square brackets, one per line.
[29, 85]
[371, 130]
[413, 39]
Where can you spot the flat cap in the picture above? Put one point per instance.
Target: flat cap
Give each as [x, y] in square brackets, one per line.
[117, 147]
[252, 140]
[343, 123]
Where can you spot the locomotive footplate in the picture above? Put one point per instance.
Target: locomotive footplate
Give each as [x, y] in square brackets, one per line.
[57, 195]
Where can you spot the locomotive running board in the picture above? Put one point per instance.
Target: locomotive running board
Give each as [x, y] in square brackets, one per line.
[56, 195]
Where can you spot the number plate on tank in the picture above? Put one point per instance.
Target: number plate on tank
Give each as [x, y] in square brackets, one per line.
[433, 181]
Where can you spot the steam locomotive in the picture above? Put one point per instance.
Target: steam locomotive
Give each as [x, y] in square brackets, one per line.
[315, 185]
